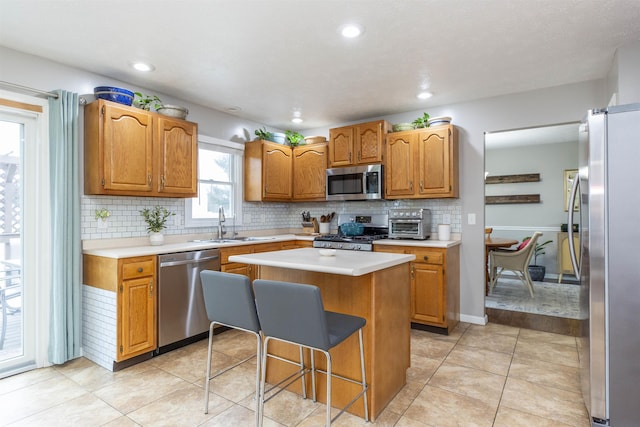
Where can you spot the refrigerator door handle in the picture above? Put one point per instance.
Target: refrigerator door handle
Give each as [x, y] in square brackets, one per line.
[572, 249]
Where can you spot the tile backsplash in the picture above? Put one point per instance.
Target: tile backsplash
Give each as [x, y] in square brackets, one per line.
[125, 220]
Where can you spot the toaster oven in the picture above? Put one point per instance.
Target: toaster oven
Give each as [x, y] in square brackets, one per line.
[409, 223]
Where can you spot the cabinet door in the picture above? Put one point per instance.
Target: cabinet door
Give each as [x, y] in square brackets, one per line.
[427, 294]
[435, 162]
[137, 317]
[341, 146]
[177, 158]
[399, 173]
[277, 168]
[368, 142]
[127, 154]
[309, 172]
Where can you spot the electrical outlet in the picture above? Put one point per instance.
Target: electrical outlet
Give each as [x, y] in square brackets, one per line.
[471, 219]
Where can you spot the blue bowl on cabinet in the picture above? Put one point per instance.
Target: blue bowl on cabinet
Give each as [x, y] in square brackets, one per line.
[115, 94]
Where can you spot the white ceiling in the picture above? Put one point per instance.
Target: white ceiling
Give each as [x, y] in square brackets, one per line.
[273, 57]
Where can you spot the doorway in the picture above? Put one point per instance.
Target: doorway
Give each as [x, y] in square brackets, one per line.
[525, 170]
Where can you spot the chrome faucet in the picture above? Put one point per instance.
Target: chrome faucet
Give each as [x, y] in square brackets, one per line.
[221, 219]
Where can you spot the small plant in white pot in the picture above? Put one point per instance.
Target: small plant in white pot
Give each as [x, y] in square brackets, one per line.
[156, 219]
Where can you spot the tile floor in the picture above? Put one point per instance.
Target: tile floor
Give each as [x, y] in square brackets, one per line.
[490, 375]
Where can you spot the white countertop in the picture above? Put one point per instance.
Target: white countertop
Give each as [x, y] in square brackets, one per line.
[347, 263]
[171, 247]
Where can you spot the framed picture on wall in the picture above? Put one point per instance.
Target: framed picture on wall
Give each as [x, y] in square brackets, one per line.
[569, 176]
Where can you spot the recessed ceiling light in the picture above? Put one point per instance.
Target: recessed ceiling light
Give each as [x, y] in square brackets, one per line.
[143, 66]
[424, 95]
[297, 120]
[351, 31]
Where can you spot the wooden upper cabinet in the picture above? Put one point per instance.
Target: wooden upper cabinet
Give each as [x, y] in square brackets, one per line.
[357, 144]
[127, 154]
[400, 171]
[341, 146]
[178, 168]
[309, 172]
[267, 171]
[369, 141]
[133, 152]
[438, 162]
[422, 163]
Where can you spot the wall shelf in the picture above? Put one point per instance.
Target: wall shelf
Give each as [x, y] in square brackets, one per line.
[517, 198]
[511, 179]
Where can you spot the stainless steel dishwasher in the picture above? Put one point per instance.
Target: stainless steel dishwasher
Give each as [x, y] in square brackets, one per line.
[181, 311]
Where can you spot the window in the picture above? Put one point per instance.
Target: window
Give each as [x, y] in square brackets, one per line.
[219, 183]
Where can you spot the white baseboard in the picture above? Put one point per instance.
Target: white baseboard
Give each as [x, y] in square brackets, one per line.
[476, 320]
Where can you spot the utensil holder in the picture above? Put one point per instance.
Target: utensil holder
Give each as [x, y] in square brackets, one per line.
[324, 227]
[444, 232]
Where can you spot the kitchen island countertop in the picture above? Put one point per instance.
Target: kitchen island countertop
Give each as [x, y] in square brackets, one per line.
[347, 263]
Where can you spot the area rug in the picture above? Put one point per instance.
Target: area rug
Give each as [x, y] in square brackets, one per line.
[551, 299]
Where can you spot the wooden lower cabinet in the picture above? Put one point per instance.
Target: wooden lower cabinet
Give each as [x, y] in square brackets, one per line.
[134, 282]
[435, 284]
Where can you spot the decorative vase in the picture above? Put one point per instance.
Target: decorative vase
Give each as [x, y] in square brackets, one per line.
[156, 238]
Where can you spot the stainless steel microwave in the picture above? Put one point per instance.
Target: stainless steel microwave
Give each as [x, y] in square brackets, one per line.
[355, 183]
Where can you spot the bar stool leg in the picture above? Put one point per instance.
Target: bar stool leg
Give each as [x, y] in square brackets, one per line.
[258, 365]
[208, 377]
[364, 378]
[328, 388]
[304, 382]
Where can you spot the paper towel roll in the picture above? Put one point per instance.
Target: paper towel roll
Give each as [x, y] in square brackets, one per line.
[444, 232]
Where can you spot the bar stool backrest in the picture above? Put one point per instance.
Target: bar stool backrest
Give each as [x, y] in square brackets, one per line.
[292, 312]
[229, 300]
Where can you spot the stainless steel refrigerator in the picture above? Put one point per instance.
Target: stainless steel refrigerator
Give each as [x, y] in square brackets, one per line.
[608, 190]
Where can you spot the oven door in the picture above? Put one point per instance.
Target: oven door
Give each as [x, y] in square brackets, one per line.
[405, 228]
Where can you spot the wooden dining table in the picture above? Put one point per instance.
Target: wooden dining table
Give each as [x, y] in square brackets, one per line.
[491, 243]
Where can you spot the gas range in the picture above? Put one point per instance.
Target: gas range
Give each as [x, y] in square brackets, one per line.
[376, 226]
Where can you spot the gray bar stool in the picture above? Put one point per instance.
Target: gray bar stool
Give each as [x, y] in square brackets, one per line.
[294, 313]
[229, 301]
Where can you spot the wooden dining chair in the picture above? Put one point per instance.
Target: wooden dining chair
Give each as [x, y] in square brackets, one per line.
[487, 232]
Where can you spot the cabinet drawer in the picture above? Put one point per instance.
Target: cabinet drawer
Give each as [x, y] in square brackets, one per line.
[131, 270]
[428, 257]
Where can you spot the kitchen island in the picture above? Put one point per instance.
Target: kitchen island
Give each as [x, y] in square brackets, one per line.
[372, 285]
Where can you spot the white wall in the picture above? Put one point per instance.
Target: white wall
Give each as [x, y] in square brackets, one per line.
[542, 107]
[520, 220]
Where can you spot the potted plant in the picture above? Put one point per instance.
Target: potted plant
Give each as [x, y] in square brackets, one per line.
[156, 219]
[536, 271]
[421, 122]
[263, 133]
[294, 138]
[145, 101]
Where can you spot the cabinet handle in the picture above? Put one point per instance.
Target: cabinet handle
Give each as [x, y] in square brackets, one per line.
[140, 269]
[410, 185]
[413, 270]
[162, 182]
[349, 157]
[151, 288]
[421, 186]
[149, 180]
[359, 156]
[426, 258]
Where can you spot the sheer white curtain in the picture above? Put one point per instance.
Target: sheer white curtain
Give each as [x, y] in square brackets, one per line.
[65, 317]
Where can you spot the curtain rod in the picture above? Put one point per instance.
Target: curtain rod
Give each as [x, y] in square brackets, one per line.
[28, 89]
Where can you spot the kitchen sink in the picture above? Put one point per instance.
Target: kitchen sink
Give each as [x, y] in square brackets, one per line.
[233, 239]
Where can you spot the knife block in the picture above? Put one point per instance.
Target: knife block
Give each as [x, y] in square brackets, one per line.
[310, 227]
